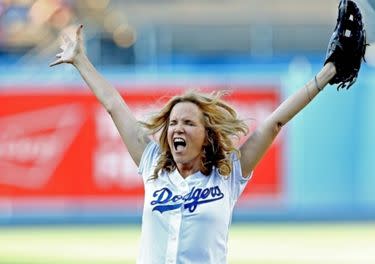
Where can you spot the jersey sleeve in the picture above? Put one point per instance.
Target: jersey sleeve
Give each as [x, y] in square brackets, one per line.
[237, 181]
[148, 160]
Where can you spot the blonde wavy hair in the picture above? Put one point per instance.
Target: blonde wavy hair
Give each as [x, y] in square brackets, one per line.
[221, 124]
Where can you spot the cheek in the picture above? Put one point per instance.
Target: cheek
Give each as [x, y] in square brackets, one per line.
[169, 133]
[169, 137]
[200, 136]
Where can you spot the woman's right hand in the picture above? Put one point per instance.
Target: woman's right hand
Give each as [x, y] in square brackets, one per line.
[71, 48]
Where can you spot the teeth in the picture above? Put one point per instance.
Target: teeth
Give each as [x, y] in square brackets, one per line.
[179, 143]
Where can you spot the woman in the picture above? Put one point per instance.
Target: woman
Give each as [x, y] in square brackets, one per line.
[194, 175]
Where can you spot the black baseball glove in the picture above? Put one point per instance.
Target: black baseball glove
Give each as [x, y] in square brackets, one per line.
[347, 46]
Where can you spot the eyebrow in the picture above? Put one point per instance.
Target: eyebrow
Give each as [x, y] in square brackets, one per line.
[184, 119]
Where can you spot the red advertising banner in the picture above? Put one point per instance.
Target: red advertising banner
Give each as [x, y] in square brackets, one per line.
[64, 144]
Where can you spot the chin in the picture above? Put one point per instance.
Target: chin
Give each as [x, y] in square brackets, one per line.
[178, 159]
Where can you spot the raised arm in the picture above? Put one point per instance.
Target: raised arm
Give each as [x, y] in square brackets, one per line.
[346, 50]
[131, 133]
[257, 144]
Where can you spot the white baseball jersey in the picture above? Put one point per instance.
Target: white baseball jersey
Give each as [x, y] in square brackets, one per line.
[186, 220]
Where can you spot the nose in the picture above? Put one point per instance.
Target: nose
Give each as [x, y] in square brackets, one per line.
[179, 128]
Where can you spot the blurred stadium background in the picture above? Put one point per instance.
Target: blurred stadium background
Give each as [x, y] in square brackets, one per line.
[69, 192]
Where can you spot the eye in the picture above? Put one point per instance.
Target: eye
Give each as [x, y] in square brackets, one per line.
[190, 123]
[172, 123]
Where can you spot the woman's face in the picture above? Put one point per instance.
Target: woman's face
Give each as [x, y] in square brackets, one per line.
[186, 134]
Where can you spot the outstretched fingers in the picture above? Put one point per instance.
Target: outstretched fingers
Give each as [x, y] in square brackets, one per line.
[65, 38]
[63, 46]
[56, 62]
[70, 47]
[78, 32]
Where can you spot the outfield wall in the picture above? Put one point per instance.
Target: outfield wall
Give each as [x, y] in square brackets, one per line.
[62, 160]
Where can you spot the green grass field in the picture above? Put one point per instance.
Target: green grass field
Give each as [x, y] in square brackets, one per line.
[251, 243]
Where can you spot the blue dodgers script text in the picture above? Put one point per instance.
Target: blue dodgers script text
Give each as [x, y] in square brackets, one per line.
[165, 200]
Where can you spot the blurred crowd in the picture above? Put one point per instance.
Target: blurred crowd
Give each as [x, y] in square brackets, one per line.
[26, 23]
[163, 28]
[33, 25]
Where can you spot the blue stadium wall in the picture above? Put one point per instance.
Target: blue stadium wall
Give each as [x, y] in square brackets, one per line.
[328, 158]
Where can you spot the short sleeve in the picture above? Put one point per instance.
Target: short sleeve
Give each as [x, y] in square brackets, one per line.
[237, 181]
[149, 159]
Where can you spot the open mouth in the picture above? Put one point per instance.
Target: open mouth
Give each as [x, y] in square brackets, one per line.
[179, 144]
